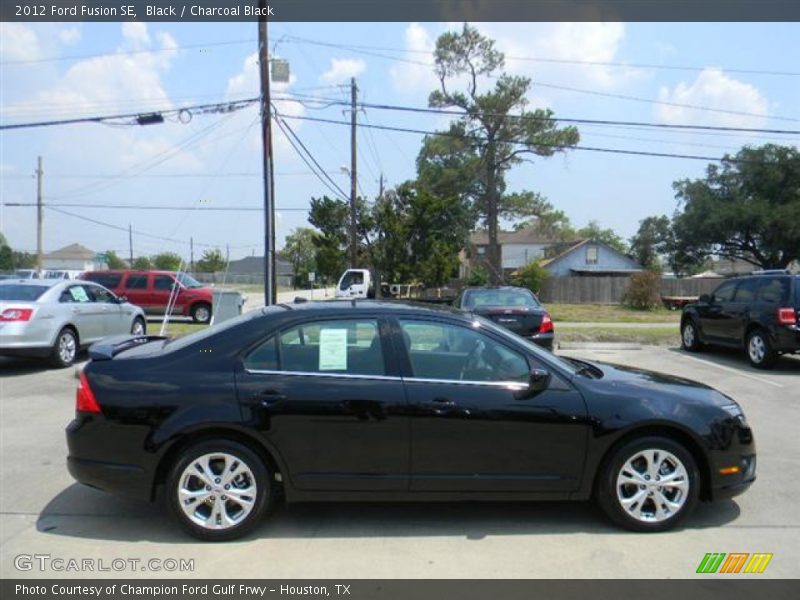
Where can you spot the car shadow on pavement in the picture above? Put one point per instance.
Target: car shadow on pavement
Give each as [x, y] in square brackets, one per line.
[787, 365]
[25, 366]
[83, 512]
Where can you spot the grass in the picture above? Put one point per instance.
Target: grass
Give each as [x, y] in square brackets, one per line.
[610, 313]
[654, 336]
[175, 329]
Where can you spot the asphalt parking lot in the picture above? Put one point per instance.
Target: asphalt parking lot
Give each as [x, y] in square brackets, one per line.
[42, 511]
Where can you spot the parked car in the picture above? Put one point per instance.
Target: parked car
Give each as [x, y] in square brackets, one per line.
[27, 274]
[55, 318]
[757, 313]
[365, 400]
[154, 290]
[514, 308]
[62, 274]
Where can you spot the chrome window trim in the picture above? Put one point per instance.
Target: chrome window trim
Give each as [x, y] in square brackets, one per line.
[516, 385]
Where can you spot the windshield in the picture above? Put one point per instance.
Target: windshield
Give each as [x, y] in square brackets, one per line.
[507, 298]
[22, 292]
[546, 357]
[189, 281]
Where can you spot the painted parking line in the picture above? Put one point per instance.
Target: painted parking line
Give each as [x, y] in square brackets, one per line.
[732, 370]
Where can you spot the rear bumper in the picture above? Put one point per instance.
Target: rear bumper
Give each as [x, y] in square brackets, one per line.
[787, 339]
[545, 340]
[125, 480]
[26, 351]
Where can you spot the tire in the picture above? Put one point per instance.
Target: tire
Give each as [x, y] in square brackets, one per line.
[201, 313]
[690, 337]
[759, 350]
[139, 327]
[644, 505]
[204, 517]
[65, 348]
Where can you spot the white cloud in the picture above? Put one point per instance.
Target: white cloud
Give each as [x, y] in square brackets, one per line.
[18, 42]
[417, 73]
[713, 88]
[136, 32]
[71, 35]
[343, 69]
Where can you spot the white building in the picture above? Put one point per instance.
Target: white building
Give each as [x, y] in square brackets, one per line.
[74, 257]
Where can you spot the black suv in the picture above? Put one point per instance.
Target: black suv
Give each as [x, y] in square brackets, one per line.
[758, 313]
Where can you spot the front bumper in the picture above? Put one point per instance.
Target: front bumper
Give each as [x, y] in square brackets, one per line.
[732, 462]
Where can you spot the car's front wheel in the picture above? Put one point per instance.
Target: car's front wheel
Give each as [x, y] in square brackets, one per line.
[138, 327]
[649, 484]
[201, 313]
[219, 490]
[690, 339]
[759, 349]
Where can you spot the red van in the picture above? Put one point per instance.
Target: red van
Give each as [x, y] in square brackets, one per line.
[151, 290]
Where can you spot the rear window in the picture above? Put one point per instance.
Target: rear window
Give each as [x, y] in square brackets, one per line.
[512, 298]
[21, 292]
[107, 280]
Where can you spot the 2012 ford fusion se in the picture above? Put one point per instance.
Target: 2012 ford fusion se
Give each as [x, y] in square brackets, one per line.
[369, 401]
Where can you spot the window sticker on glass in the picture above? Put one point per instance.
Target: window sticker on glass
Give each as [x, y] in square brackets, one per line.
[333, 350]
[78, 294]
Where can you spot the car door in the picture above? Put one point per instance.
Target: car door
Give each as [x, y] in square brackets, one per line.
[471, 430]
[741, 308]
[87, 315]
[135, 290]
[163, 290]
[716, 317]
[111, 308]
[326, 395]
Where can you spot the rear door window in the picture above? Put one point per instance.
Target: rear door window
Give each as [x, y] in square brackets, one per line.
[136, 282]
[747, 290]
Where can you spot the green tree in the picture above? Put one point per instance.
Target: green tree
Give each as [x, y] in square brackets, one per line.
[24, 260]
[300, 251]
[167, 261]
[594, 231]
[6, 258]
[531, 276]
[497, 132]
[142, 263]
[747, 208]
[653, 242]
[114, 261]
[212, 261]
[331, 217]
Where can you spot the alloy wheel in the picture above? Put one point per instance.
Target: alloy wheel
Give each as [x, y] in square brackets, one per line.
[652, 486]
[217, 491]
[757, 349]
[67, 347]
[138, 328]
[688, 335]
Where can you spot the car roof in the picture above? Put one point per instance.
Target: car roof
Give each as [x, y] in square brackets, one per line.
[514, 288]
[380, 306]
[39, 282]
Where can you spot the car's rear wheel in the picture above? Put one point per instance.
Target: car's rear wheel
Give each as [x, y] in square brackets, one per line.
[690, 339]
[219, 490]
[759, 350]
[201, 313]
[649, 484]
[138, 327]
[65, 349]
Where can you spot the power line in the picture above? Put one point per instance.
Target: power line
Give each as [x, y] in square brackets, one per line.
[153, 207]
[215, 107]
[518, 142]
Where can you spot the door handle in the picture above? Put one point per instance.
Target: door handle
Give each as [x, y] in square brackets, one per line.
[441, 401]
[267, 398]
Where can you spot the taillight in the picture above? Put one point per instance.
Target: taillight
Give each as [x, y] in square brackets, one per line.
[16, 314]
[787, 316]
[84, 397]
[546, 325]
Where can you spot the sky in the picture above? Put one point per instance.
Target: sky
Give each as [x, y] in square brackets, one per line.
[741, 75]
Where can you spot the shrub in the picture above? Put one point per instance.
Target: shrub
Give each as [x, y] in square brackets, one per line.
[644, 291]
[531, 276]
[478, 276]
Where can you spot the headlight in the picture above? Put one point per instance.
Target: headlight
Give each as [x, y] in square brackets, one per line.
[733, 410]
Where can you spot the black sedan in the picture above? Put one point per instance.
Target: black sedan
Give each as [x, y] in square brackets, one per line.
[514, 308]
[364, 400]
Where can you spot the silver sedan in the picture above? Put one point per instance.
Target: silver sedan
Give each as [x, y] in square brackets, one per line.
[55, 318]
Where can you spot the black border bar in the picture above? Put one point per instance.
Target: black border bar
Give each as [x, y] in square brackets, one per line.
[401, 10]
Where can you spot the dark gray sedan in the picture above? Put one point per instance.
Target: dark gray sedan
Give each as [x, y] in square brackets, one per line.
[55, 318]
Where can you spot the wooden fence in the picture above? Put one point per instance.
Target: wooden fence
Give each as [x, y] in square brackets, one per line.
[610, 290]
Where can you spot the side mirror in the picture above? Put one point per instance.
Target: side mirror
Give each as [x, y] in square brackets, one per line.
[705, 298]
[538, 382]
[122, 299]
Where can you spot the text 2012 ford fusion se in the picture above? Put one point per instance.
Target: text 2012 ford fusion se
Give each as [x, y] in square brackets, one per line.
[369, 401]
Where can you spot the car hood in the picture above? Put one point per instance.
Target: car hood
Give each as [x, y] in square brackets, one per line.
[625, 381]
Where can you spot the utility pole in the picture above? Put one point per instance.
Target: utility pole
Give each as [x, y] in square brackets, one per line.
[227, 254]
[130, 244]
[266, 140]
[39, 216]
[191, 254]
[353, 176]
